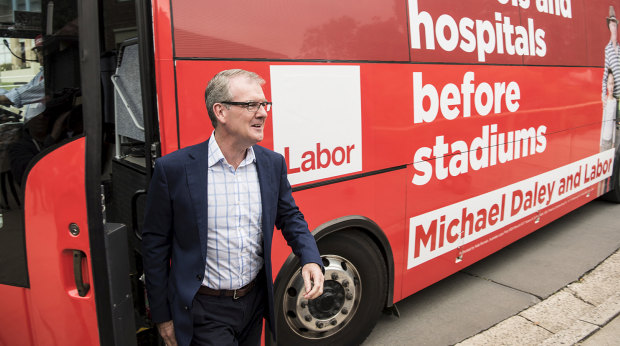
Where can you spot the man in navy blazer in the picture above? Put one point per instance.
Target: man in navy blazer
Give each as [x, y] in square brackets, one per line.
[182, 243]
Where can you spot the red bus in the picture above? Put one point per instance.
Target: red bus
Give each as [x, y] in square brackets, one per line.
[420, 137]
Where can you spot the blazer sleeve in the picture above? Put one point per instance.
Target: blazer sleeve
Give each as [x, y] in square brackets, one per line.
[292, 223]
[157, 244]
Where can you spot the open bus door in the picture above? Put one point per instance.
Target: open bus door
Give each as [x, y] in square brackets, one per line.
[66, 275]
[46, 283]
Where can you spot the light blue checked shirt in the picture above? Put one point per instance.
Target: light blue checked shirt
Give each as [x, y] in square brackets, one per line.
[235, 242]
[32, 95]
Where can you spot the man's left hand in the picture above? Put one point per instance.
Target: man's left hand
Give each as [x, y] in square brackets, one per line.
[5, 101]
[313, 280]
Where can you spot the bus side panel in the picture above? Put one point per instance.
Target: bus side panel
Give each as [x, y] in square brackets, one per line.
[164, 75]
[566, 48]
[424, 16]
[380, 198]
[476, 213]
[392, 136]
[54, 200]
[573, 33]
[387, 104]
[420, 277]
[281, 29]
[570, 103]
[15, 319]
[192, 78]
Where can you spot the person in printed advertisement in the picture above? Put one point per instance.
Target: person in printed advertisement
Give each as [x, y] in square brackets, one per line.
[608, 127]
[611, 91]
[612, 59]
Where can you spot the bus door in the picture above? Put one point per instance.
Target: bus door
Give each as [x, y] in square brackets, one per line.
[46, 281]
[65, 270]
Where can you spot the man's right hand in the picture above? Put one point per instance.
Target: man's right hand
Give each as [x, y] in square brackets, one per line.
[166, 330]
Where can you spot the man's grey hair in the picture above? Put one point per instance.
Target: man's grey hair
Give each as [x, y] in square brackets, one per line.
[218, 89]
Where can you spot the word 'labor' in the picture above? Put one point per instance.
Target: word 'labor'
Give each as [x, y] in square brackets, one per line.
[319, 159]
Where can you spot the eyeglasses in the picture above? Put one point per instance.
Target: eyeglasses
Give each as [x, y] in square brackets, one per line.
[251, 106]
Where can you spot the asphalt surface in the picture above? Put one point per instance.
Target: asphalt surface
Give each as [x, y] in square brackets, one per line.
[557, 286]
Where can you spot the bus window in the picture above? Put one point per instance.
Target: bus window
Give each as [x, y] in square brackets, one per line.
[21, 106]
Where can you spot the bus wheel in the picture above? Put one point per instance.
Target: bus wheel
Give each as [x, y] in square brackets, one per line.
[614, 194]
[354, 295]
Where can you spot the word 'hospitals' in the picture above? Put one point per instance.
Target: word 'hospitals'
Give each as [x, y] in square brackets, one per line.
[490, 148]
[484, 36]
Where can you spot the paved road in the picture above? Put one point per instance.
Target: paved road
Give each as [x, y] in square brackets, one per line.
[506, 283]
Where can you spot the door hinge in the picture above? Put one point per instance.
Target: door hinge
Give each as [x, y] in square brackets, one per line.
[155, 152]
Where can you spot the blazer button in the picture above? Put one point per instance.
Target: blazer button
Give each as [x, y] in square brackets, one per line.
[199, 277]
[186, 308]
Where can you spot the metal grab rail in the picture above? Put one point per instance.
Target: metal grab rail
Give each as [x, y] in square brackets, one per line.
[125, 103]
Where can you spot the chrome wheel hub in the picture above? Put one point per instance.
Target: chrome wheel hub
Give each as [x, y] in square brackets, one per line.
[327, 314]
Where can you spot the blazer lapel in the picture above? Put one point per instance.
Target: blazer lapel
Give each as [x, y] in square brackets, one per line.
[196, 170]
[263, 168]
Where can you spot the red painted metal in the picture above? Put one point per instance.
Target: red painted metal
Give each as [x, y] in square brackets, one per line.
[565, 100]
[55, 198]
[15, 316]
[322, 29]
[559, 90]
[164, 75]
[573, 130]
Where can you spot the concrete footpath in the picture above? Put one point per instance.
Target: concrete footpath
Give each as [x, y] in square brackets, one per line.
[585, 312]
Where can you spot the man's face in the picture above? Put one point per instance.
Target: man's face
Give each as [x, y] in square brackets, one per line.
[247, 127]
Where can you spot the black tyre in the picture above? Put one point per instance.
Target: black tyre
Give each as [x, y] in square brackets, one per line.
[353, 297]
[614, 194]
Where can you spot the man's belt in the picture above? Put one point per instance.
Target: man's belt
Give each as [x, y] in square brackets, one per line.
[236, 294]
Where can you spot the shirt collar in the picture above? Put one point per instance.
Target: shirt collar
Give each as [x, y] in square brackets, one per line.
[216, 156]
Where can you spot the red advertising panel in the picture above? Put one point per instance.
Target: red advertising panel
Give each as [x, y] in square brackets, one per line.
[532, 32]
[563, 23]
[464, 32]
[323, 29]
[455, 127]
[402, 107]
[461, 133]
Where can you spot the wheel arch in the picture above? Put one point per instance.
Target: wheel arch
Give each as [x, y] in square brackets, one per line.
[363, 225]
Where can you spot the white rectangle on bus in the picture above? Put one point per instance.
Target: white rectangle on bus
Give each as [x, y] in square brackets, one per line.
[317, 120]
[445, 229]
